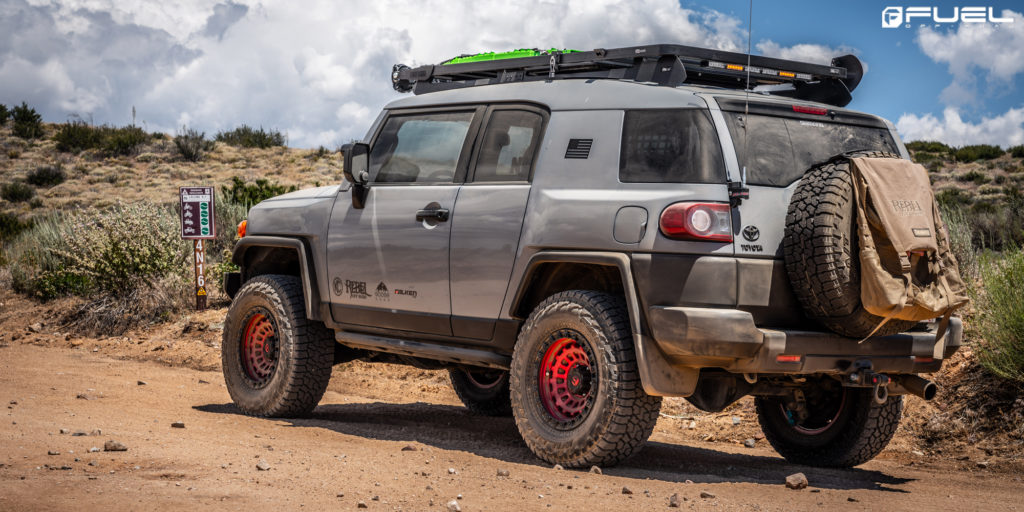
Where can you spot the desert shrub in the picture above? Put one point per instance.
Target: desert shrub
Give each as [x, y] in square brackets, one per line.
[77, 136]
[98, 252]
[28, 124]
[47, 175]
[191, 144]
[978, 152]
[961, 242]
[930, 146]
[1001, 322]
[11, 225]
[13, 154]
[17, 191]
[4, 114]
[248, 137]
[953, 197]
[923, 157]
[977, 177]
[124, 141]
[248, 194]
[1016, 151]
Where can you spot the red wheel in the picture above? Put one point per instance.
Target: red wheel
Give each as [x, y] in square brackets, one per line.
[566, 379]
[259, 348]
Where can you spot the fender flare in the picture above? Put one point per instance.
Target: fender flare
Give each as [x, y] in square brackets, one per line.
[306, 270]
[658, 375]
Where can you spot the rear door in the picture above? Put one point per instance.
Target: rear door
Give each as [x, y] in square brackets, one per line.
[776, 143]
[489, 217]
[388, 262]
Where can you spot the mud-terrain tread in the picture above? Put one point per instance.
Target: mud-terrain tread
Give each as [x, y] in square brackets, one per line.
[499, 404]
[630, 412]
[867, 432]
[820, 251]
[298, 390]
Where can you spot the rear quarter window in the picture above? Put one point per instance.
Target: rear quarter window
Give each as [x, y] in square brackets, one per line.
[670, 146]
[776, 151]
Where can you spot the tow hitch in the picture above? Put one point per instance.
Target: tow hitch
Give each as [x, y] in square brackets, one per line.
[863, 376]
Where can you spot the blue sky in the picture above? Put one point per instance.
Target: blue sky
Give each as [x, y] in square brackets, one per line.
[902, 78]
[318, 70]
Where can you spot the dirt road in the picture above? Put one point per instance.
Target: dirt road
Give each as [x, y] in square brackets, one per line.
[395, 441]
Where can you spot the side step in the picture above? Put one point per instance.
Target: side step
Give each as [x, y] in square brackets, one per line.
[467, 356]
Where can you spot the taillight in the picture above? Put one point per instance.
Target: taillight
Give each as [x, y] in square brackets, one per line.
[241, 228]
[810, 110]
[697, 221]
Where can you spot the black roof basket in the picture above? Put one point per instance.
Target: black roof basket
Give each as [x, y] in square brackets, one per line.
[663, 64]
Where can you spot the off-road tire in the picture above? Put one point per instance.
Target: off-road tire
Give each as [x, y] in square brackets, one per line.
[821, 251]
[861, 431]
[621, 416]
[305, 350]
[489, 400]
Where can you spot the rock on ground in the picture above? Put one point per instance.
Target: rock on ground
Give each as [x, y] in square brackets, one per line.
[796, 481]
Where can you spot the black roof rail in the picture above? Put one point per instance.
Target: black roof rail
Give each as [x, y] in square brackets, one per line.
[663, 64]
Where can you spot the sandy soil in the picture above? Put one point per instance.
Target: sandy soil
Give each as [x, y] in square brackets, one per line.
[386, 436]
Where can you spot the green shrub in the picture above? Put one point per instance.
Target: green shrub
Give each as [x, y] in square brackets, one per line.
[978, 152]
[192, 144]
[77, 136]
[1001, 322]
[17, 192]
[248, 137]
[124, 141]
[961, 242]
[11, 225]
[930, 146]
[47, 175]
[953, 198]
[28, 124]
[4, 114]
[1016, 151]
[104, 252]
[923, 157]
[248, 194]
[979, 178]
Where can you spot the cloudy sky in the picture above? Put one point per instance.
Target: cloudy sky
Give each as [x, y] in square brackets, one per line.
[319, 70]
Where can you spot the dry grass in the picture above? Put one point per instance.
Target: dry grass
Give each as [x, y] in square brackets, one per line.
[95, 181]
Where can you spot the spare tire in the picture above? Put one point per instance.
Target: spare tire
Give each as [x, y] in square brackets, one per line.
[821, 253]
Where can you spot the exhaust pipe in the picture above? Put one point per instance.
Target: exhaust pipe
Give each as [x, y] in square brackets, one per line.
[915, 385]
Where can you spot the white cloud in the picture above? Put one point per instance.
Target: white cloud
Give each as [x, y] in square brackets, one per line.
[1004, 130]
[804, 52]
[991, 51]
[319, 71]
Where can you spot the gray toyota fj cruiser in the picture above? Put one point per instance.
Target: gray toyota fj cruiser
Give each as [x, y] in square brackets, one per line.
[574, 235]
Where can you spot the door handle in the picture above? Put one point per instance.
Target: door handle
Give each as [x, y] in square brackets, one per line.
[438, 214]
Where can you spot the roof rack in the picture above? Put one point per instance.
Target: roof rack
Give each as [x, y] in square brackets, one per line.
[662, 64]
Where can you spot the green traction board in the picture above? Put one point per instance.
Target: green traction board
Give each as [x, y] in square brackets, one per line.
[513, 54]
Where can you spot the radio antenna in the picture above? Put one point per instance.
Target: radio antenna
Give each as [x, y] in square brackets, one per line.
[746, 95]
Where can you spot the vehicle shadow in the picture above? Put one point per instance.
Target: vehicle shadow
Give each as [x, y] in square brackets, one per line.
[454, 428]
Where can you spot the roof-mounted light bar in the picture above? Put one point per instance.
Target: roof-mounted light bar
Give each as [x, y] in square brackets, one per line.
[665, 64]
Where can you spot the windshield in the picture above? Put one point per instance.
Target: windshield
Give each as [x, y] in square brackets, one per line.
[777, 151]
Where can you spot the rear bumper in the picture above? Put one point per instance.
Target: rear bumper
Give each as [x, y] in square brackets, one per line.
[729, 339]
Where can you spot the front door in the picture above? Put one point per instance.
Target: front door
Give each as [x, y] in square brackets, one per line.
[388, 262]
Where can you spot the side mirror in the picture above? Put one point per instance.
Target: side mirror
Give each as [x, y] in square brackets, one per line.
[357, 170]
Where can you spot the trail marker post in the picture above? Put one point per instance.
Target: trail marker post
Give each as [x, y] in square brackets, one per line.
[197, 224]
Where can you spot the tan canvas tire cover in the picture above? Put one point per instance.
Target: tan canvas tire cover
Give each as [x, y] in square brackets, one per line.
[908, 271]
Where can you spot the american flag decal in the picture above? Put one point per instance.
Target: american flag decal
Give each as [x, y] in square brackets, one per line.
[579, 148]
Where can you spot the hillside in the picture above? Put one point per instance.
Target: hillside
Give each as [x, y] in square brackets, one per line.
[153, 172]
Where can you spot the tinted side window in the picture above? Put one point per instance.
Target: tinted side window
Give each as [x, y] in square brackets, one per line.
[419, 148]
[777, 151]
[509, 145]
[670, 146]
